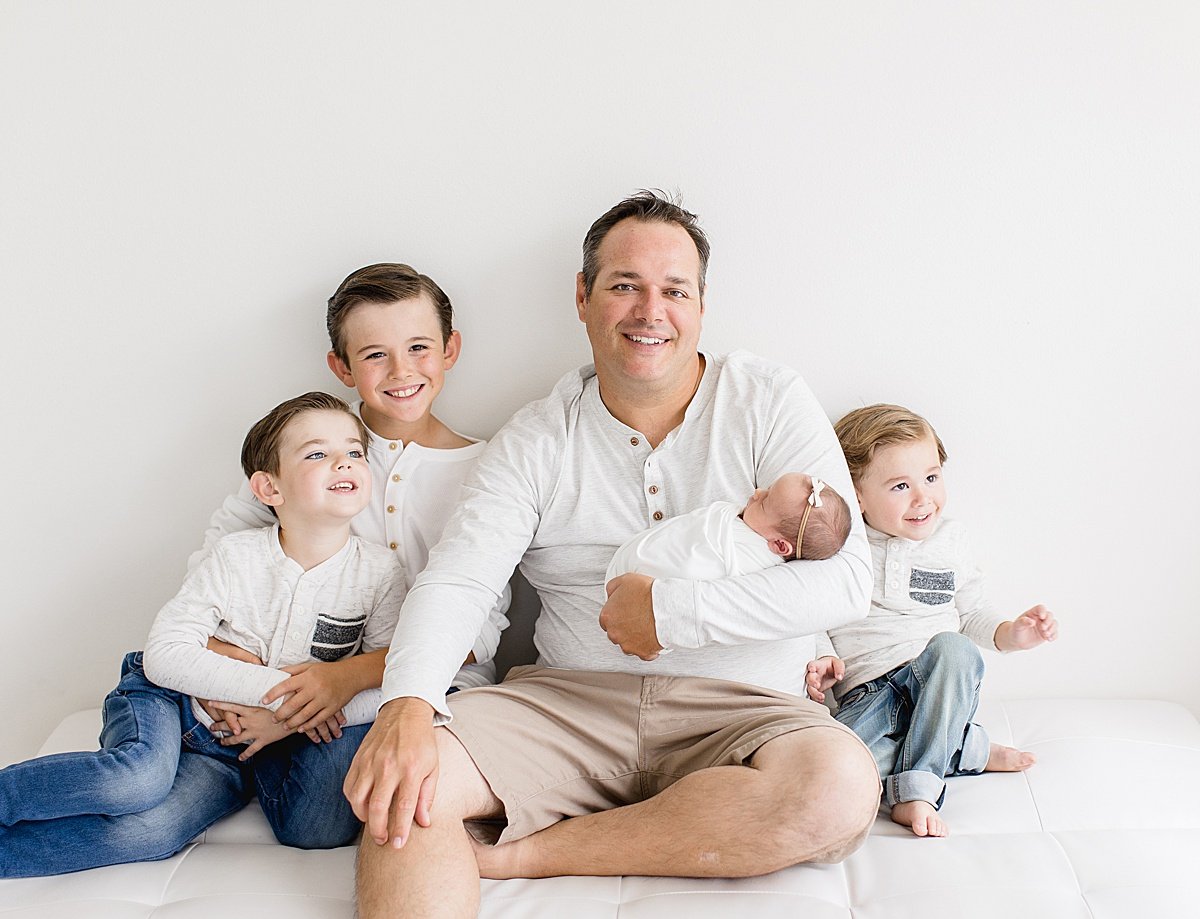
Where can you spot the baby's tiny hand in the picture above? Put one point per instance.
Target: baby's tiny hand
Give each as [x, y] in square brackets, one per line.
[1033, 627]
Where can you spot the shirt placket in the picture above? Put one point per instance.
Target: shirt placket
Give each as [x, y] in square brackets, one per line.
[394, 495]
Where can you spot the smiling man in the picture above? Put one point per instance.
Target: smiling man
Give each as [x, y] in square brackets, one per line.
[705, 761]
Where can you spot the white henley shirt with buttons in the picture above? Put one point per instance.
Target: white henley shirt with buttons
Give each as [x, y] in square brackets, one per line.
[414, 490]
[564, 483]
[249, 593]
[921, 587]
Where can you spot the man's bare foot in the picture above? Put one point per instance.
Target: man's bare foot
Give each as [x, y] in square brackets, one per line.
[921, 817]
[1008, 759]
[497, 863]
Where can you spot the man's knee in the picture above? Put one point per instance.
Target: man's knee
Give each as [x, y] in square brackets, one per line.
[826, 801]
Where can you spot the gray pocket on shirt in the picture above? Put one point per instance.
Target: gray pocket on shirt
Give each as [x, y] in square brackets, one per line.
[335, 638]
[930, 586]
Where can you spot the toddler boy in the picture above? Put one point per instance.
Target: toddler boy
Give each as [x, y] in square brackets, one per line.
[907, 677]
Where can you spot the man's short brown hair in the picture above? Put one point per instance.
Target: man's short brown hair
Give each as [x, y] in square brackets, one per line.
[650, 205]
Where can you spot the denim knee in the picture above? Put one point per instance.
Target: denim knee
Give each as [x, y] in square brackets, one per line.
[954, 652]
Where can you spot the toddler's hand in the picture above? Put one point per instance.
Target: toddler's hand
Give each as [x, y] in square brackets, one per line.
[822, 674]
[1030, 629]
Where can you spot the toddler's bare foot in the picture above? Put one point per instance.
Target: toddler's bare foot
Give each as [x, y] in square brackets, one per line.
[1008, 759]
[921, 817]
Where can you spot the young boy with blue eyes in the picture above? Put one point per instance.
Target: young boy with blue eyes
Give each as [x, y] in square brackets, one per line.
[302, 594]
[907, 677]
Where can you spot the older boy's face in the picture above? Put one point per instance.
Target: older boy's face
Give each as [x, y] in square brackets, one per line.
[322, 467]
[643, 312]
[901, 492]
[396, 359]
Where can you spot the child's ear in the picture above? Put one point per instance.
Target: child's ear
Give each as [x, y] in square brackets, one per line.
[453, 350]
[264, 489]
[340, 370]
[780, 547]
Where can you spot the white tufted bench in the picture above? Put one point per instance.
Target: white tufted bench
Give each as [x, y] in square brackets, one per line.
[1105, 826]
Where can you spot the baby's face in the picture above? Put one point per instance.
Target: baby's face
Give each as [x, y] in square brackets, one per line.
[901, 491]
[767, 507]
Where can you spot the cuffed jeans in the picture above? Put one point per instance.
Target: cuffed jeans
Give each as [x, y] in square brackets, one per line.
[916, 720]
[145, 794]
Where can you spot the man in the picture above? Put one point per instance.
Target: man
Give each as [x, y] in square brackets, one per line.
[696, 762]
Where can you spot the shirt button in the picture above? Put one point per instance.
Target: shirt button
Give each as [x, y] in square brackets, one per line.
[391, 545]
[894, 565]
[391, 508]
[894, 584]
[653, 489]
[395, 478]
[658, 515]
[634, 441]
[295, 636]
[393, 446]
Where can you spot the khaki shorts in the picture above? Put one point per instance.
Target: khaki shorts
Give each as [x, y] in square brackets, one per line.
[554, 744]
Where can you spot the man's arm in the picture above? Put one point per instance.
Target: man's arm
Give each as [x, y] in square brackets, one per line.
[790, 600]
[394, 775]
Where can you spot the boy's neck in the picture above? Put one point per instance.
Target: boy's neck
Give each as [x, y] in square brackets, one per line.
[428, 432]
[310, 543]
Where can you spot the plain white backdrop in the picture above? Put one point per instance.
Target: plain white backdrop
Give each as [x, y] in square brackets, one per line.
[988, 212]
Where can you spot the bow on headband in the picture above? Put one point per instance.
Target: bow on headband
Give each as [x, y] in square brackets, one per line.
[814, 500]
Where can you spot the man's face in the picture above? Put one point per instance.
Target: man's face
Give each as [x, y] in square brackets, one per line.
[643, 312]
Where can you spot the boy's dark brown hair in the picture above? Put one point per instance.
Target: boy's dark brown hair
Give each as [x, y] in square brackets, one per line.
[386, 282]
[260, 449]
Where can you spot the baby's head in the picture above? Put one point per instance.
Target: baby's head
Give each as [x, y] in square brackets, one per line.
[895, 458]
[309, 453]
[799, 516]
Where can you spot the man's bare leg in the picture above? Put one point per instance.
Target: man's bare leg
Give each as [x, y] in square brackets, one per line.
[435, 874]
[809, 795]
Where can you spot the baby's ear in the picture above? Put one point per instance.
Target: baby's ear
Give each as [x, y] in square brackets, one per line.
[264, 489]
[781, 547]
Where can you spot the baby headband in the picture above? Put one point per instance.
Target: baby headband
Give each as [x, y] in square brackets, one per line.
[814, 500]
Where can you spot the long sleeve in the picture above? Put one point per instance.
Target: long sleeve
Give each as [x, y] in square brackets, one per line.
[798, 598]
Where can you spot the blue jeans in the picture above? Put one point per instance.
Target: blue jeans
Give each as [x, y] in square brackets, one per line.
[916, 720]
[159, 781]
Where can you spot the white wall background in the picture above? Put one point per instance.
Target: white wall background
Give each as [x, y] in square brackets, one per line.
[989, 212]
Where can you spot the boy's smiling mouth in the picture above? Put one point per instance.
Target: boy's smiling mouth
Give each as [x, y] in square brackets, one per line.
[344, 486]
[404, 393]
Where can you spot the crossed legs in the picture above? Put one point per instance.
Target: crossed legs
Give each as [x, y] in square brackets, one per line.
[809, 795]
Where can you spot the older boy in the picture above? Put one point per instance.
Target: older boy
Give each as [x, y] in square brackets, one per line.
[303, 592]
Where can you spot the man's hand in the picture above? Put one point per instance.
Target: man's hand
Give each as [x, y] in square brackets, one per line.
[628, 616]
[1028, 630]
[394, 774]
[822, 674]
[258, 728]
[316, 691]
